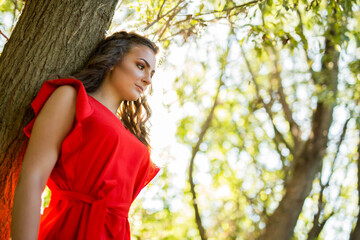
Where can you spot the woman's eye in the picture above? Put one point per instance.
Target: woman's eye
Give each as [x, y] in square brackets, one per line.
[140, 66]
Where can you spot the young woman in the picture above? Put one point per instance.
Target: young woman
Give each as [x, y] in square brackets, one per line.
[89, 144]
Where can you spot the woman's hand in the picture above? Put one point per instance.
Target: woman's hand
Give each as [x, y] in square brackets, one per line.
[53, 123]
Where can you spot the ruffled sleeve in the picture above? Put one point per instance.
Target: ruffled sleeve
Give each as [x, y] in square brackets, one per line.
[83, 108]
[152, 171]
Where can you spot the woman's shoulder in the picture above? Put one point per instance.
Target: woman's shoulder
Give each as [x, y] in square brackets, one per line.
[65, 91]
[62, 98]
[61, 90]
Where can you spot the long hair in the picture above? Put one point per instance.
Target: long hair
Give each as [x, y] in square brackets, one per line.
[109, 52]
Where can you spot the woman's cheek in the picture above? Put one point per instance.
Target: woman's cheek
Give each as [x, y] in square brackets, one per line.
[137, 73]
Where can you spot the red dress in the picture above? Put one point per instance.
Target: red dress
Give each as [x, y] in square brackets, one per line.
[101, 169]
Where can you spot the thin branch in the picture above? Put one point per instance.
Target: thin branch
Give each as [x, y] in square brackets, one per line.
[159, 18]
[305, 45]
[342, 136]
[7, 39]
[169, 20]
[251, 200]
[189, 17]
[162, 5]
[177, 33]
[317, 225]
[266, 106]
[294, 127]
[204, 128]
[283, 160]
[201, 21]
[316, 229]
[229, 9]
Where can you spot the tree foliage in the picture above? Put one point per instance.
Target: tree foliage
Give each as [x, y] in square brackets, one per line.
[267, 93]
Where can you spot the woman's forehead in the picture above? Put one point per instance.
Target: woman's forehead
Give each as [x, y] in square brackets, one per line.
[143, 52]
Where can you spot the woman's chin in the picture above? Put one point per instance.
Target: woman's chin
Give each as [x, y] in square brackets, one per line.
[133, 98]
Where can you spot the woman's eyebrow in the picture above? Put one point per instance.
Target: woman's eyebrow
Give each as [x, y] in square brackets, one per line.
[147, 64]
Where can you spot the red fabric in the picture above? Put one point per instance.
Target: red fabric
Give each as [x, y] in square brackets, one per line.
[101, 169]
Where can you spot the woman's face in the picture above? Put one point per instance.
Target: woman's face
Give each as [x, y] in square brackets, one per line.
[133, 74]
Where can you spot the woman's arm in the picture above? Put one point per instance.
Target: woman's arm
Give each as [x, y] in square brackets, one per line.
[53, 123]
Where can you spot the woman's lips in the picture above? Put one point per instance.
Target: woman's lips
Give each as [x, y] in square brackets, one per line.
[140, 88]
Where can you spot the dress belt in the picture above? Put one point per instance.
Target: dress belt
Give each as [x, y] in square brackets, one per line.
[99, 207]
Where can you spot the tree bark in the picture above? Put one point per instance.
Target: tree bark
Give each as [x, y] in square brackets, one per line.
[50, 37]
[280, 225]
[317, 224]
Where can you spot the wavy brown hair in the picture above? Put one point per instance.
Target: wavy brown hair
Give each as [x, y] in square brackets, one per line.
[109, 52]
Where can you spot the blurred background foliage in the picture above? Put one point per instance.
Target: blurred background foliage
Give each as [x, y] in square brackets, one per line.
[245, 81]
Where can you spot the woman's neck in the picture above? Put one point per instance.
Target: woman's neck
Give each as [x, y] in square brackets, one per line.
[107, 98]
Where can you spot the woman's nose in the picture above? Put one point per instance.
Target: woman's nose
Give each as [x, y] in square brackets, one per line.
[147, 79]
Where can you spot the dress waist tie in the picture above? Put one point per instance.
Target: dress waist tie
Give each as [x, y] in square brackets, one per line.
[99, 207]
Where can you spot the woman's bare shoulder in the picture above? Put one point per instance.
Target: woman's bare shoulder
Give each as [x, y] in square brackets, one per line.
[61, 99]
[60, 107]
[65, 91]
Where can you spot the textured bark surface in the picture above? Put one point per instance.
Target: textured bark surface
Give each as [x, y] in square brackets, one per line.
[51, 37]
[309, 155]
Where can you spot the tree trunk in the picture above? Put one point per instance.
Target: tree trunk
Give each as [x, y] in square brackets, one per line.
[307, 163]
[50, 37]
[281, 224]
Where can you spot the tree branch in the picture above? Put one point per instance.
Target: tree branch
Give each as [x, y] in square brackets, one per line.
[283, 160]
[161, 7]
[294, 127]
[7, 39]
[158, 16]
[166, 25]
[204, 128]
[266, 106]
[229, 9]
[342, 136]
[305, 45]
[317, 225]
